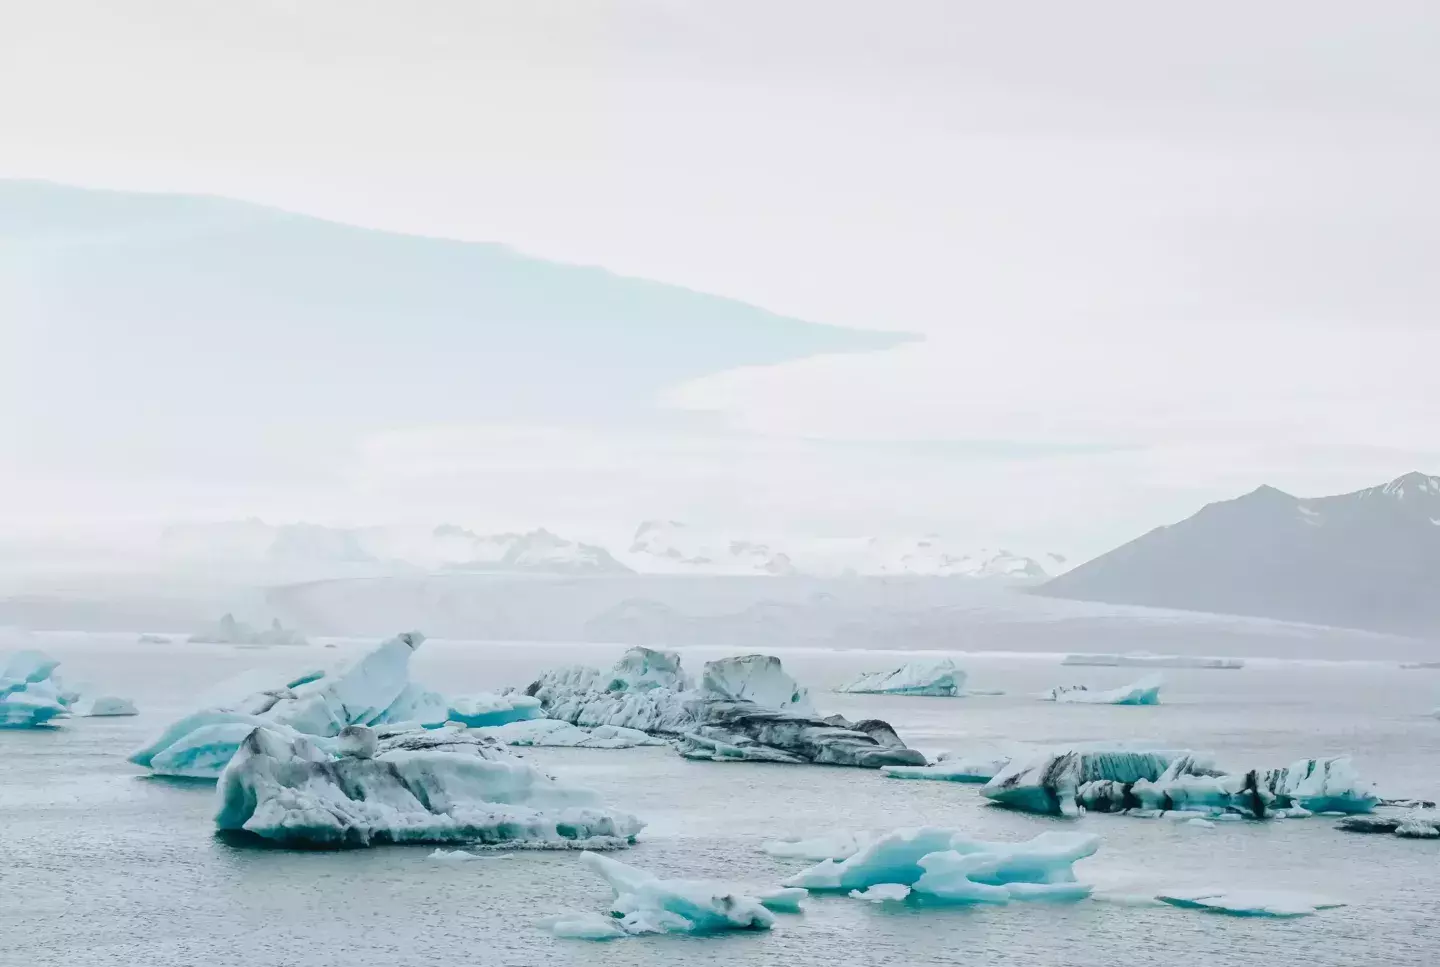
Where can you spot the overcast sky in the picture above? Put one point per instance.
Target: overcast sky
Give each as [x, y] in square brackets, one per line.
[1161, 253]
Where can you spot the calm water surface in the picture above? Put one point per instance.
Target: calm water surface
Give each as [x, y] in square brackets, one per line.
[101, 866]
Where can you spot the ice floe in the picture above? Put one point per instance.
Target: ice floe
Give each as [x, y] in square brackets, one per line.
[1143, 659]
[744, 709]
[553, 732]
[445, 785]
[837, 844]
[946, 864]
[934, 678]
[646, 904]
[1250, 903]
[1144, 692]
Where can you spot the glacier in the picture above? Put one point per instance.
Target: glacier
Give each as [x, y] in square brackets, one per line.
[31, 695]
[553, 732]
[647, 904]
[444, 785]
[1143, 659]
[932, 678]
[946, 864]
[1249, 903]
[744, 708]
[1153, 782]
[373, 690]
[1144, 692]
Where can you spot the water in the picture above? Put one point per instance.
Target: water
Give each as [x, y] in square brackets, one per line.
[105, 867]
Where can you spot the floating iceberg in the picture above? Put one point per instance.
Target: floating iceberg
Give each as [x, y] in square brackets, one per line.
[936, 678]
[946, 864]
[425, 786]
[374, 690]
[1420, 824]
[1150, 783]
[1144, 692]
[951, 770]
[229, 631]
[488, 710]
[1250, 903]
[645, 904]
[31, 696]
[882, 893]
[745, 708]
[1142, 659]
[553, 732]
[462, 856]
[106, 705]
[149, 639]
[837, 844]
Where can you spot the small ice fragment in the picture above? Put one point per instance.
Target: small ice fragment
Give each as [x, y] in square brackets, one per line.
[881, 892]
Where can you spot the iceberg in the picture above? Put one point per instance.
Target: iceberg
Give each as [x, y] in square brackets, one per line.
[951, 770]
[1250, 903]
[478, 711]
[837, 844]
[1144, 692]
[646, 904]
[934, 678]
[946, 864]
[553, 732]
[424, 786]
[1050, 784]
[31, 696]
[374, 690]
[1144, 659]
[228, 631]
[744, 709]
[106, 705]
[1419, 824]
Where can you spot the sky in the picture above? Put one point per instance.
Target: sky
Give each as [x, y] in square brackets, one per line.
[1159, 255]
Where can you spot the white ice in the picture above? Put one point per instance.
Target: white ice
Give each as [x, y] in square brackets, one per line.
[1250, 903]
[106, 705]
[462, 856]
[947, 864]
[553, 732]
[645, 904]
[933, 678]
[437, 786]
[758, 679]
[951, 770]
[882, 892]
[1143, 659]
[1144, 692]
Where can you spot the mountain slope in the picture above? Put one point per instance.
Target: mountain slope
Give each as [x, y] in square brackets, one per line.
[168, 307]
[1368, 559]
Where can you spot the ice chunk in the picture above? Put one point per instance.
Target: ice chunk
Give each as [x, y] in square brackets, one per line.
[149, 639]
[368, 692]
[1300, 789]
[31, 695]
[583, 926]
[946, 864]
[1201, 822]
[490, 710]
[731, 731]
[553, 732]
[1143, 659]
[106, 705]
[756, 679]
[837, 844]
[588, 697]
[438, 786]
[1323, 785]
[462, 856]
[644, 903]
[882, 892]
[228, 631]
[951, 770]
[1420, 824]
[1144, 692]
[937, 678]
[1050, 783]
[1250, 903]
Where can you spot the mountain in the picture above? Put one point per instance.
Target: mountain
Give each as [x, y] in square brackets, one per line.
[538, 551]
[1368, 559]
[204, 318]
[671, 547]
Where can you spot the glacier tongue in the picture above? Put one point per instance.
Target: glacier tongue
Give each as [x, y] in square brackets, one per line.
[424, 786]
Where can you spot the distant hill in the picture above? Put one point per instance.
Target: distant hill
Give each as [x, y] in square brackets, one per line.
[1369, 559]
[231, 318]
